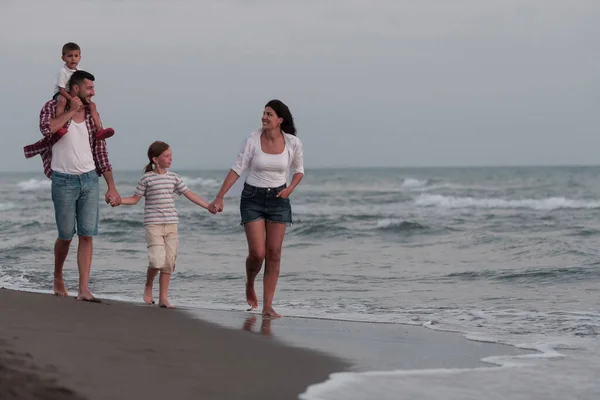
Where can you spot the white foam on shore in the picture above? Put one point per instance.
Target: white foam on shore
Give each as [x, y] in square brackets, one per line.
[508, 374]
[17, 283]
[517, 377]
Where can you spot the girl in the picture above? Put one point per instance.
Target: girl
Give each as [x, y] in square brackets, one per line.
[269, 154]
[160, 217]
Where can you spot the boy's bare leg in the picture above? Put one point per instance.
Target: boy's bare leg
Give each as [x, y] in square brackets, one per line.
[101, 133]
[152, 272]
[97, 121]
[60, 108]
[164, 280]
[61, 103]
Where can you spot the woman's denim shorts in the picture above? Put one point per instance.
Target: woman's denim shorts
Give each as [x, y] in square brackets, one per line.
[262, 203]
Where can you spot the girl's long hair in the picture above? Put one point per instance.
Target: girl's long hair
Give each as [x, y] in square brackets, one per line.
[155, 150]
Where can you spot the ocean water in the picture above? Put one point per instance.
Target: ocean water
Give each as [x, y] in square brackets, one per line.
[507, 255]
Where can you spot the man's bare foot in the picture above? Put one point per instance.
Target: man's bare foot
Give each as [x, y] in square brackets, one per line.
[268, 312]
[251, 296]
[59, 288]
[165, 304]
[148, 295]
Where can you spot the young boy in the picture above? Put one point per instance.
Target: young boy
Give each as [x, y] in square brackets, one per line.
[71, 55]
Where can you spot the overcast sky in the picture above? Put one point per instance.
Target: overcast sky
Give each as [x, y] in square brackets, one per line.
[370, 83]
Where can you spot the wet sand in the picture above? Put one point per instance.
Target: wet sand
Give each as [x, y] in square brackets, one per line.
[368, 346]
[59, 348]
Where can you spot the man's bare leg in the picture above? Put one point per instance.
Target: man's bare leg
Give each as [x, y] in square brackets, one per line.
[61, 250]
[84, 264]
[163, 299]
[150, 275]
[274, 241]
[255, 235]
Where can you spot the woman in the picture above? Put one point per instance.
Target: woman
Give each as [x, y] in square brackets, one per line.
[268, 154]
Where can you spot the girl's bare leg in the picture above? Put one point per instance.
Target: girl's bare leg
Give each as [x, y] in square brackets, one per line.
[163, 300]
[150, 275]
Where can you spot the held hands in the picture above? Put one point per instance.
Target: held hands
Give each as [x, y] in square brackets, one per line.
[216, 206]
[112, 197]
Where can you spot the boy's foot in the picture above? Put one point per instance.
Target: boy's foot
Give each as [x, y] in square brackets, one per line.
[105, 133]
[61, 132]
[59, 288]
[165, 304]
[148, 295]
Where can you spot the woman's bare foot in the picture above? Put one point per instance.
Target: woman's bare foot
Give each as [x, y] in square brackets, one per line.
[249, 323]
[165, 304]
[269, 312]
[59, 288]
[88, 296]
[251, 297]
[148, 294]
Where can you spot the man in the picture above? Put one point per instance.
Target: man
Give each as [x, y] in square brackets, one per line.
[74, 161]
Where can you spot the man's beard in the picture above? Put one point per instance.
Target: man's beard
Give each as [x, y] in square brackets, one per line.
[85, 101]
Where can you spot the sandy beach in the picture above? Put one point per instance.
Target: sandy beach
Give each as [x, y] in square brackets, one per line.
[59, 348]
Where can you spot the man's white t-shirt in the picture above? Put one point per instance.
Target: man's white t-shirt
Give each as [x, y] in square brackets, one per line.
[62, 78]
[72, 154]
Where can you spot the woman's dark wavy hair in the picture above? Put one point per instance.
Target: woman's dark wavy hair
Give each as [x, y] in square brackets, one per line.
[284, 113]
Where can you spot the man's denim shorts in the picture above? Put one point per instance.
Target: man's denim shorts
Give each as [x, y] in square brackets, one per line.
[262, 203]
[75, 199]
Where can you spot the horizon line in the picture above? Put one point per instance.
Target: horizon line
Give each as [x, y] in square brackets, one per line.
[214, 169]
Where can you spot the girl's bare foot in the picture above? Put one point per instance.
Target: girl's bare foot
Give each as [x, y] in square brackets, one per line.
[148, 294]
[251, 297]
[165, 304]
[59, 288]
[269, 312]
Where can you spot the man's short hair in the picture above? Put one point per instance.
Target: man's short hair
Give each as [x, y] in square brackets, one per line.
[70, 47]
[79, 76]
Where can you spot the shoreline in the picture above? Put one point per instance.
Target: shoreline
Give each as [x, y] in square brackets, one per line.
[125, 342]
[70, 349]
[369, 346]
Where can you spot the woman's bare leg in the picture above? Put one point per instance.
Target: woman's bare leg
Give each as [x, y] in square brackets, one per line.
[255, 235]
[274, 242]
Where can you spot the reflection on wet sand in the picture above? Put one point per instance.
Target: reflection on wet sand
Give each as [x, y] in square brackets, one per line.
[265, 325]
